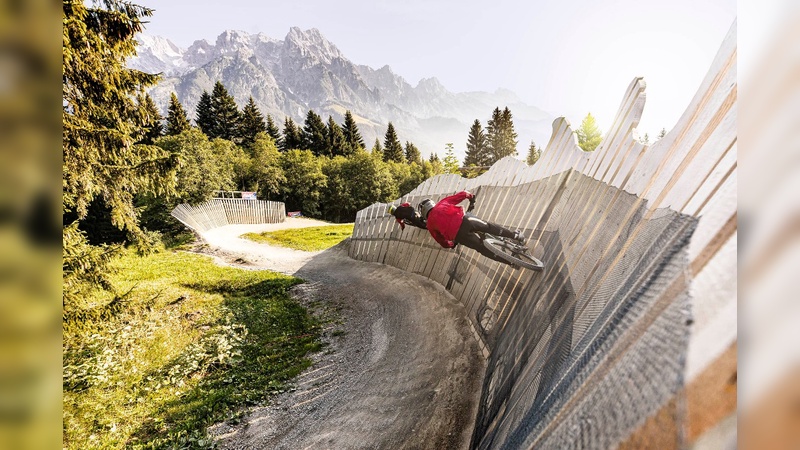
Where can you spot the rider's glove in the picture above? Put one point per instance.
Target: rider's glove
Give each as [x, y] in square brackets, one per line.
[470, 195]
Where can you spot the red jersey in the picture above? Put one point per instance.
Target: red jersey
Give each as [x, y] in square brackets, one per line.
[444, 220]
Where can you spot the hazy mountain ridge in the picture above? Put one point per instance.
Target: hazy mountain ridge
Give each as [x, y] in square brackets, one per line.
[306, 71]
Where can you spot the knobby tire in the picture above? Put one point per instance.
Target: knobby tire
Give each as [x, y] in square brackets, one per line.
[505, 251]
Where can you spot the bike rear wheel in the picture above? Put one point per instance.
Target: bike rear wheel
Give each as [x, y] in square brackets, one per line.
[512, 253]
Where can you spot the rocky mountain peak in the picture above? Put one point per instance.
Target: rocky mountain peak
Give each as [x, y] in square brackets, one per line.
[430, 85]
[311, 43]
[233, 38]
[199, 53]
[303, 70]
[231, 42]
[155, 54]
[159, 45]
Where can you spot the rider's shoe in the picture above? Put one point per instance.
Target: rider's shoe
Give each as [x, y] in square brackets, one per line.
[519, 237]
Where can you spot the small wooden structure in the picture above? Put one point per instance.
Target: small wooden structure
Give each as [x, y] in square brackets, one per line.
[218, 212]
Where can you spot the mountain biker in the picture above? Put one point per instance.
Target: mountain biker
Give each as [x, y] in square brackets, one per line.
[406, 215]
[449, 225]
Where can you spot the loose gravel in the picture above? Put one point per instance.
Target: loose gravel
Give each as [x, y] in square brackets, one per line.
[401, 368]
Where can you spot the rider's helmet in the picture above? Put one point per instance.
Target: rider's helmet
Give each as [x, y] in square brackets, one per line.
[391, 209]
[425, 207]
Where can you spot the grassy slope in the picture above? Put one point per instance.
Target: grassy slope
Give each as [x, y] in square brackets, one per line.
[188, 346]
[307, 239]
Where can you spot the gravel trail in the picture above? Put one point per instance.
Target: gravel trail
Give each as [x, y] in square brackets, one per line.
[401, 368]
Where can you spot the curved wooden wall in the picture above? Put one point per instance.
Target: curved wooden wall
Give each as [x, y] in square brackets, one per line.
[225, 211]
[628, 338]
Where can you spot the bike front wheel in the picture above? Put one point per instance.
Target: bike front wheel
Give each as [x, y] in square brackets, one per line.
[512, 253]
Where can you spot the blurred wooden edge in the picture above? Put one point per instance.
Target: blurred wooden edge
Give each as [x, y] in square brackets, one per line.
[698, 408]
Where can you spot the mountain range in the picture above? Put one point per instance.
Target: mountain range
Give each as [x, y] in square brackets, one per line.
[306, 71]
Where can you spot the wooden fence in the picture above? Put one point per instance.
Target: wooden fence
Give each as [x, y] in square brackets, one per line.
[628, 338]
[224, 211]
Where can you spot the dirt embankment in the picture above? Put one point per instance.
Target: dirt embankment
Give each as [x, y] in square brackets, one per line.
[401, 370]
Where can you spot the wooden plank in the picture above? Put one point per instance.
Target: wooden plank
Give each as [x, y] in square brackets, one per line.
[714, 309]
[523, 204]
[608, 153]
[709, 105]
[359, 232]
[718, 220]
[488, 201]
[708, 399]
[386, 223]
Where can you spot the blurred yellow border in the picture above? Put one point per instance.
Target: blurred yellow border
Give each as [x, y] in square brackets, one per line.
[30, 224]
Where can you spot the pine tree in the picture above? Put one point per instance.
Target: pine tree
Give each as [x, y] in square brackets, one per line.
[412, 153]
[273, 131]
[477, 147]
[493, 139]
[251, 124]
[153, 128]
[377, 149]
[102, 120]
[392, 149]
[534, 153]
[204, 116]
[589, 136]
[226, 114]
[177, 120]
[292, 135]
[509, 135]
[351, 133]
[315, 134]
[336, 143]
[501, 137]
[661, 134]
[434, 157]
[450, 161]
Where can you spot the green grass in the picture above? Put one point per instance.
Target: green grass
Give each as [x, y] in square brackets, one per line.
[307, 239]
[187, 345]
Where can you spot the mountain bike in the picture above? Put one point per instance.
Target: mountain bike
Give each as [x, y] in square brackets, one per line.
[508, 249]
[511, 251]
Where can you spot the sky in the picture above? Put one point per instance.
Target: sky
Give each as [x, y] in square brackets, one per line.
[567, 57]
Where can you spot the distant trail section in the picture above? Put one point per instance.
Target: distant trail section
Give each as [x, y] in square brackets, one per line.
[226, 242]
[402, 371]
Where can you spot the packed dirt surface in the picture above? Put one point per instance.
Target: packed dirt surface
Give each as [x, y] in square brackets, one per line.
[226, 243]
[401, 368]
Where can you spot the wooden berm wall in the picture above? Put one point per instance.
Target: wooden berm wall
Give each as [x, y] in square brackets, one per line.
[640, 244]
[225, 211]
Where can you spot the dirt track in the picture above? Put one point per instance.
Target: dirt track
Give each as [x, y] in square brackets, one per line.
[401, 371]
